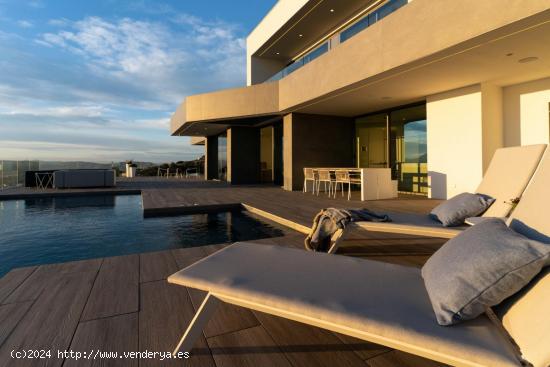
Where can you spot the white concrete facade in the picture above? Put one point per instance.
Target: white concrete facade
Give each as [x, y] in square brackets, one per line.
[465, 127]
[526, 113]
[485, 80]
[270, 24]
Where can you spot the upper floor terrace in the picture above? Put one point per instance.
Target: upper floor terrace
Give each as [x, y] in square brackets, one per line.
[420, 48]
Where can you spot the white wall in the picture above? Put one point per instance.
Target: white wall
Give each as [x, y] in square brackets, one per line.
[526, 113]
[455, 152]
[492, 127]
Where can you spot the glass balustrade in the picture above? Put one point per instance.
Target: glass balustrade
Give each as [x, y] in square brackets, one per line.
[349, 32]
[12, 172]
[318, 51]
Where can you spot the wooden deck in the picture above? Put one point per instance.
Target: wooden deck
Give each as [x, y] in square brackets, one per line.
[124, 304]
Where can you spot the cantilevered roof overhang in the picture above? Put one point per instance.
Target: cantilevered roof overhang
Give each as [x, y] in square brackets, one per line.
[211, 113]
[422, 49]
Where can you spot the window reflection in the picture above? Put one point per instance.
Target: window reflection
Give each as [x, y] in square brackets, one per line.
[405, 152]
[222, 157]
[408, 149]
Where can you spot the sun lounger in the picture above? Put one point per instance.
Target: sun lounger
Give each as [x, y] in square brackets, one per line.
[506, 178]
[334, 293]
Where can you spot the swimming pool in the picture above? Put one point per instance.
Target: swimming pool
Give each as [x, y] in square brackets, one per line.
[52, 230]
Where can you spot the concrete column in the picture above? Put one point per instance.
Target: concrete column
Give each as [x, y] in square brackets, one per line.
[243, 155]
[315, 141]
[278, 162]
[211, 158]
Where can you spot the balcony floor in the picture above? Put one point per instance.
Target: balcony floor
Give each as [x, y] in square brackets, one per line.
[124, 303]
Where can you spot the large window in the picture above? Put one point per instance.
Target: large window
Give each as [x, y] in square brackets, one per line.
[397, 140]
[222, 157]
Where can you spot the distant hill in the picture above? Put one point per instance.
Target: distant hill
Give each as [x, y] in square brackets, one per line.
[47, 165]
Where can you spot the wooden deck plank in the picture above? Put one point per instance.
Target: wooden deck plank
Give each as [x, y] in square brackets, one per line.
[50, 324]
[228, 318]
[306, 345]
[13, 279]
[235, 335]
[250, 347]
[31, 288]
[113, 334]
[116, 289]
[166, 311]
[156, 266]
[363, 349]
[210, 249]
[397, 358]
[187, 256]
[10, 315]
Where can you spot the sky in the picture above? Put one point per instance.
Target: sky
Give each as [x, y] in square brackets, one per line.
[98, 80]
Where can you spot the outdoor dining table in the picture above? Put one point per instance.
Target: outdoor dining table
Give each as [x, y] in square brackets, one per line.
[376, 183]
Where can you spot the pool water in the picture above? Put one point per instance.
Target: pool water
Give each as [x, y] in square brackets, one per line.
[52, 230]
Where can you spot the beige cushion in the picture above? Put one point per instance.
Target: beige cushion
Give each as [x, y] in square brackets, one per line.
[507, 176]
[526, 316]
[378, 302]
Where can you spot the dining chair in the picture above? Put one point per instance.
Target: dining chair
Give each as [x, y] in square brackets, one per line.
[324, 175]
[346, 177]
[310, 174]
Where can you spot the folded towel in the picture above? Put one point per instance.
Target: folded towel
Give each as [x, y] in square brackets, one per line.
[331, 221]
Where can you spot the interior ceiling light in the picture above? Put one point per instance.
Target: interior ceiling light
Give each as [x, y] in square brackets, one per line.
[528, 59]
[332, 10]
[300, 35]
[278, 53]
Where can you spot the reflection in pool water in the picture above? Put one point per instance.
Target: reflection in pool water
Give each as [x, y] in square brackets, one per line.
[43, 231]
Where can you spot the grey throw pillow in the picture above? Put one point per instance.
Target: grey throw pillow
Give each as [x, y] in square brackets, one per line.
[454, 211]
[479, 268]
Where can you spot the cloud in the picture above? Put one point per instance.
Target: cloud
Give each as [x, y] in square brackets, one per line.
[59, 22]
[90, 138]
[58, 112]
[106, 152]
[25, 24]
[168, 61]
[104, 88]
[37, 4]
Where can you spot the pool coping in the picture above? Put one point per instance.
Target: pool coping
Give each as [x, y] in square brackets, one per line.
[216, 208]
[47, 194]
[165, 211]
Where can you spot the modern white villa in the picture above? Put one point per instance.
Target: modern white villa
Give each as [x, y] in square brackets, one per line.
[438, 109]
[429, 89]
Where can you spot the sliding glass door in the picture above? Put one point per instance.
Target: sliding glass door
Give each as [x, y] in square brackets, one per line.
[266, 154]
[408, 149]
[395, 139]
[371, 136]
